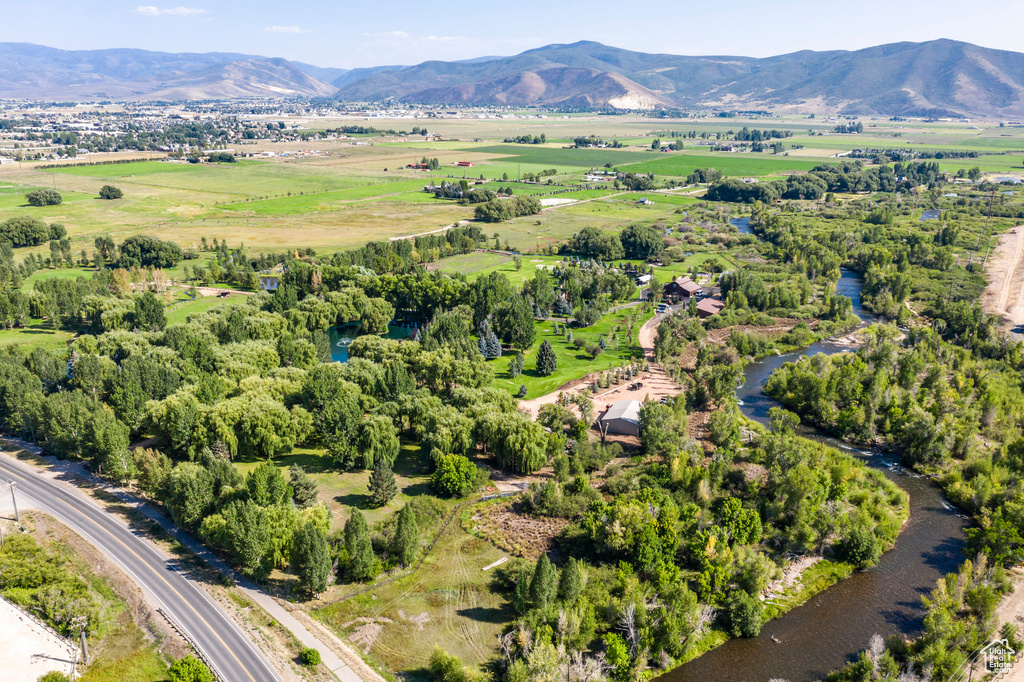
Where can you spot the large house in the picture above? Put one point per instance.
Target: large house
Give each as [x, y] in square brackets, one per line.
[682, 289]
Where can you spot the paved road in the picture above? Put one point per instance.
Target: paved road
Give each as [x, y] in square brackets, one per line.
[235, 657]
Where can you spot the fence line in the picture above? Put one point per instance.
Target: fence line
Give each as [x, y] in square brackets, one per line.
[192, 643]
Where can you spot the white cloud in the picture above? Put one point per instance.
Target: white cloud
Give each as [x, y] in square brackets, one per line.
[151, 11]
[284, 29]
[446, 38]
[388, 34]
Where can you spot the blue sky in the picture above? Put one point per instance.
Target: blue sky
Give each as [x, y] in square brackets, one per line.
[346, 34]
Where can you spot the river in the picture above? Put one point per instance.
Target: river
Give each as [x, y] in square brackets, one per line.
[834, 626]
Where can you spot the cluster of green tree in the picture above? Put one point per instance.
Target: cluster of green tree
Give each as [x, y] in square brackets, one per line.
[959, 623]
[143, 250]
[843, 128]
[887, 155]
[25, 230]
[703, 175]
[370, 130]
[462, 191]
[499, 210]
[592, 141]
[540, 175]
[527, 139]
[948, 406]
[221, 157]
[756, 135]
[844, 177]
[635, 182]
[639, 242]
[44, 197]
[706, 537]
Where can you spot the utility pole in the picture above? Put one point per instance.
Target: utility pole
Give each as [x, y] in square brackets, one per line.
[79, 623]
[14, 501]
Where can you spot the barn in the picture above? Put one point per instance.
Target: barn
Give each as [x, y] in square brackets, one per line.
[622, 417]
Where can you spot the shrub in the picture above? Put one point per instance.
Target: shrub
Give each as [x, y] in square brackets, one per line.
[189, 669]
[310, 657]
[110, 192]
[44, 197]
[454, 476]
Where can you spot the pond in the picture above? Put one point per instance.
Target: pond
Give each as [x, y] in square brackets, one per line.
[341, 336]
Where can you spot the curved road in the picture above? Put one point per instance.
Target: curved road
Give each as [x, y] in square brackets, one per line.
[234, 656]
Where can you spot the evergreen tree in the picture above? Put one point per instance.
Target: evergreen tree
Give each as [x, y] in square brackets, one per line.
[570, 584]
[521, 595]
[547, 362]
[544, 585]
[515, 365]
[303, 487]
[358, 547]
[382, 483]
[407, 536]
[311, 557]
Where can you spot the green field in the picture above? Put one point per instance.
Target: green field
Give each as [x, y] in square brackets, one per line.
[573, 363]
[736, 164]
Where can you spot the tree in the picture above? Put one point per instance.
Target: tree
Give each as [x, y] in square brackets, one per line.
[189, 669]
[547, 361]
[304, 488]
[110, 192]
[513, 322]
[860, 547]
[746, 614]
[656, 144]
[358, 547]
[454, 476]
[266, 485]
[515, 365]
[544, 584]
[310, 657]
[406, 542]
[44, 197]
[24, 230]
[311, 557]
[570, 584]
[378, 439]
[641, 241]
[382, 483]
[149, 312]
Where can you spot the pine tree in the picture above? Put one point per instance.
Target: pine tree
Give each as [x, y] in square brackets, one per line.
[547, 362]
[358, 547]
[544, 585]
[493, 346]
[515, 365]
[382, 483]
[407, 536]
[311, 557]
[303, 487]
[570, 585]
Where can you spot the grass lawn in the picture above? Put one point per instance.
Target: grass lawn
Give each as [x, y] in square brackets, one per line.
[683, 163]
[450, 595]
[572, 363]
[341, 490]
[37, 333]
[179, 313]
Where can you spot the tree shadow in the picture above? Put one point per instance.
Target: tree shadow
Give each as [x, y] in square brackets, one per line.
[485, 614]
[360, 501]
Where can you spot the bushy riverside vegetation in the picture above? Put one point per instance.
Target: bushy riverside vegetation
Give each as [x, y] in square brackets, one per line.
[676, 553]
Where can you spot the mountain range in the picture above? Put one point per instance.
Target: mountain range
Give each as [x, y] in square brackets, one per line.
[934, 78]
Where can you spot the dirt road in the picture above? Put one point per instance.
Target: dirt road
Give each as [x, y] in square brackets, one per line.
[1004, 295]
